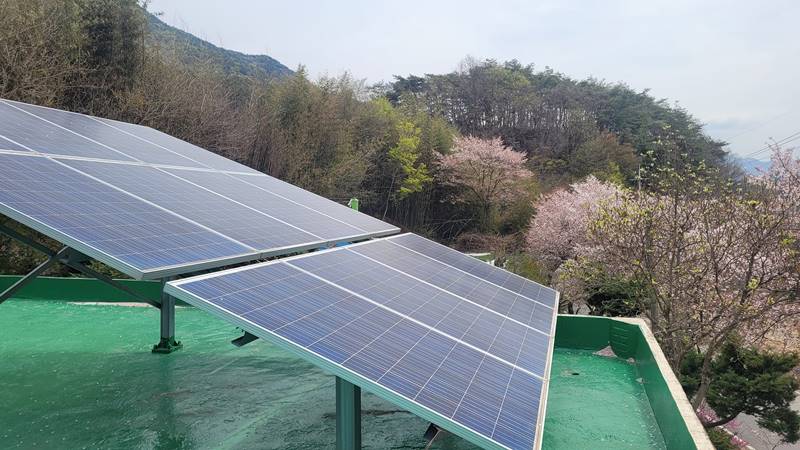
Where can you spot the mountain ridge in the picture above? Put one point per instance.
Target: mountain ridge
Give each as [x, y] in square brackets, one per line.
[192, 49]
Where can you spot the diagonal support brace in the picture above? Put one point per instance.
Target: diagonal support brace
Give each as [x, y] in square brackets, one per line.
[67, 256]
[22, 282]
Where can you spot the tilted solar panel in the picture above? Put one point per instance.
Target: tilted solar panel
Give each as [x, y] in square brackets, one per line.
[445, 347]
[475, 267]
[27, 131]
[103, 222]
[177, 146]
[246, 226]
[236, 213]
[338, 221]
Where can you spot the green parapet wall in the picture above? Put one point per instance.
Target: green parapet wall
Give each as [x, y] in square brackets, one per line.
[630, 338]
[80, 289]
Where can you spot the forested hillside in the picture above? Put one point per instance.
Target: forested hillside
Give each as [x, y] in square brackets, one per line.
[191, 49]
[336, 136]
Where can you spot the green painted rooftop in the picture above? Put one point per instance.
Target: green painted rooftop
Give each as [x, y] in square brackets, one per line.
[82, 376]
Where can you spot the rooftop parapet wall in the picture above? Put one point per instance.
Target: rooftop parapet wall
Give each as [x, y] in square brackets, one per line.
[628, 338]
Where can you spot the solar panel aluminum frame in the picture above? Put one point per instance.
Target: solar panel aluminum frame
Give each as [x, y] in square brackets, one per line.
[174, 289]
[165, 271]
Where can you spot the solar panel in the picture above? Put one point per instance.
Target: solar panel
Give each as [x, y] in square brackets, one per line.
[98, 220]
[316, 202]
[287, 208]
[445, 346]
[27, 131]
[236, 213]
[183, 148]
[475, 267]
[244, 225]
[92, 130]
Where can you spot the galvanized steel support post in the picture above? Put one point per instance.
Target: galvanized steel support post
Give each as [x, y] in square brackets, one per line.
[348, 415]
[167, 344]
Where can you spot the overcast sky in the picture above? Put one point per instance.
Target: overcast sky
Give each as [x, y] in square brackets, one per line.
[735, 65]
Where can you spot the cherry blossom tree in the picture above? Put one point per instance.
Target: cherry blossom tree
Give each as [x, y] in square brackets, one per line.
[562, 220]
[486, 173]
[716, 259]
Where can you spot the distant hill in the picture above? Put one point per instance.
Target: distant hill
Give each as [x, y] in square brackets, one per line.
[193, 49]
[751, 165]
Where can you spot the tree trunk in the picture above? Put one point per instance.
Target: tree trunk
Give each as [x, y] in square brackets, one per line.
[705, 381]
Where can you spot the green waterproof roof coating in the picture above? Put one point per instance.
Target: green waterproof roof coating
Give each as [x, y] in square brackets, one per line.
[468, 354]
[151, 205]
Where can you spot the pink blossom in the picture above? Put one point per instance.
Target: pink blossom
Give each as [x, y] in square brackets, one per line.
[562, 219]
[488, 170]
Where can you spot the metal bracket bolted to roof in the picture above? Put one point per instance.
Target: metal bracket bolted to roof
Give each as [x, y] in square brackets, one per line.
[431, 434]
[245, 339]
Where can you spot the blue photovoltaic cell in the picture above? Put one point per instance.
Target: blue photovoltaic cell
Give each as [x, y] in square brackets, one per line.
[462, 283]
[460, 318]
[279, 207]
[112, 223]
[191, 151]
[321, 204]
[99, 131]
[468, 364]
[5, 144]
[495, 275]
[238, 222]
[38, 135]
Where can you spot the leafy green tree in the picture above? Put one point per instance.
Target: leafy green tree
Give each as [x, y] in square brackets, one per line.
[748, 381]
[413, 175]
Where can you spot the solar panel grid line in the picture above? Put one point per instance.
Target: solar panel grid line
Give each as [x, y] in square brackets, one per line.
[424, 412]
[68, 130]
[337, 284]
[508, 385]
[413, 320]
[452, 293]
[67, 240]
[392, 240]
[105, 123]
[299, 204]
[220, 273]
[180, 147]
[137, 163]
[400, 359]
[152, 204]
[22, 146]
[250, 227]
[477, 371]
[27, 151]
[312, 198]
[360, 280]
[462, 262]
[321, 239]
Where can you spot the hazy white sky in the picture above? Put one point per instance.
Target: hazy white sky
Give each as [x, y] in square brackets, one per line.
[735, 65]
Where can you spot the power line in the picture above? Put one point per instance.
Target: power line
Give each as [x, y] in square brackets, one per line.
[762, 124]
[791, 138]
